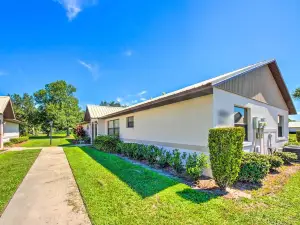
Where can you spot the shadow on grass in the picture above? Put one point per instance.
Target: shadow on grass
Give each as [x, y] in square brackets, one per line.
[142, 180]
[46, 137]
[195, 196]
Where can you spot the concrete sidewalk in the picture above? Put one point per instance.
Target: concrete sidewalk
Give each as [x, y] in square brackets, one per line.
[48, 194]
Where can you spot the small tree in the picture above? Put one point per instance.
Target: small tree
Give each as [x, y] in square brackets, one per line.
[226, 151]
[298, 136]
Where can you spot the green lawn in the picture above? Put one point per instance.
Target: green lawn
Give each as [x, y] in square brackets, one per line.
[13, 168]
[118, 192]
[44, 141]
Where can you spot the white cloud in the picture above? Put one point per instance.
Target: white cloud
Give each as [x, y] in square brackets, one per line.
[128, 53]
[134, 101]
[73, 7]
[92, 68]
[298, 113]
[141, 93]
[119, 99]
[143, 99]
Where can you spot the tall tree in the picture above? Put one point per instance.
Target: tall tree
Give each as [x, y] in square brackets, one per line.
[57, 103]
[112, 103]
[26, 112]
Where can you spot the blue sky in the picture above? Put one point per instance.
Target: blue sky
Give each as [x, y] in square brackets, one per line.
[133, 50]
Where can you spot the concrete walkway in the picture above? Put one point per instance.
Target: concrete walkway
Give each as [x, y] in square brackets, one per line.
[48, 194]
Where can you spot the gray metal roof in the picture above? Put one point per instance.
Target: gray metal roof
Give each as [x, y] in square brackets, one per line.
[199, 86]
[97, 111]
[4, 100]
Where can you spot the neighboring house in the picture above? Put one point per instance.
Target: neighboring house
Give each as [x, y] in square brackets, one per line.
[293, 127]
[254, 97]
[9, 126]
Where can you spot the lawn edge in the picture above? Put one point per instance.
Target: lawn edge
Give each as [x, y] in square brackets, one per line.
[84, 203]
[4, 208]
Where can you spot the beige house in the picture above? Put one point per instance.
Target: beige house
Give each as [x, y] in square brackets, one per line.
[254, 97]
[9, 126]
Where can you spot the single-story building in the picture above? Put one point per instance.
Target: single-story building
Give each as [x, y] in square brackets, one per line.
[254, 97]
[9, 126]
[294, 126]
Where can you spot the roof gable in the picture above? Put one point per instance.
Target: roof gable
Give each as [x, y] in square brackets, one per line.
[6, 108]
[97, 111]
[258, 84]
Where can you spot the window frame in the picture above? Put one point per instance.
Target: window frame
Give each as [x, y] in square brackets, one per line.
[130, 124]
[245, 125]
[280, 124]
[115, 129]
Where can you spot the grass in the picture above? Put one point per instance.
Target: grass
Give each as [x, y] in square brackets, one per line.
[13, 168]
[44, 141]
[116, 191]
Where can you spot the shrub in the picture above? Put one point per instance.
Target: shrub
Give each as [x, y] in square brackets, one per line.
[8, 144]
[275, 161]
[164, 158]
[79, 132]
[152, 154]
[195, 165]
[287, 157]
[106, 143]
[254, 168]
[298, 136]
[19, 140]
[176, 161]
[226, 150]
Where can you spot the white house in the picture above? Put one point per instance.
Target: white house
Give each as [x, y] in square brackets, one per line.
[9, 126]
[254, 97]
[294, 126]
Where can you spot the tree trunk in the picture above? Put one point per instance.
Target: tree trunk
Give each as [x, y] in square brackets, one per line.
[68, 132]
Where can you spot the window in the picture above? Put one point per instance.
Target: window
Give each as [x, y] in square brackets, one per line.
[130, 122]
[113, 127]
[280, 126]
[241, 119]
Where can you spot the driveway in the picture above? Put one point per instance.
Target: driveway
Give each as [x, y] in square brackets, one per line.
[48, 194]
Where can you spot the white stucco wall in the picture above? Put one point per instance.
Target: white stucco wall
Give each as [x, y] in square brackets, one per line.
[11, 130]
[223, 115]
[185, 123]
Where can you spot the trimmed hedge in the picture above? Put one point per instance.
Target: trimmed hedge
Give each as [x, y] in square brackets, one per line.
[154, 155]
[298, 136]
[254, 168]
[19, 140]
[275, 161]
[106, 143]
[287, 157]
[8, 144]
[226, 151]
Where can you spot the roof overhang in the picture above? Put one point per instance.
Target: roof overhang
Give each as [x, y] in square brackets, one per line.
[282, 87]
[13, 121]
[206, 89]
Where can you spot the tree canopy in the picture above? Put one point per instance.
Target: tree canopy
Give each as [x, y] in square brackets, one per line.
[112, 103]
[296, 94]
[56, 102]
